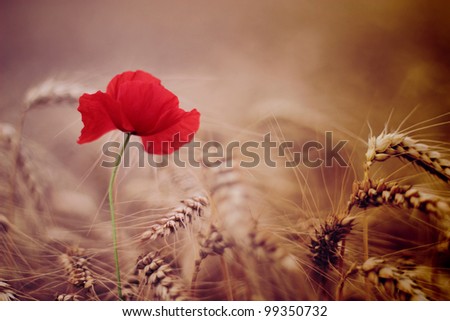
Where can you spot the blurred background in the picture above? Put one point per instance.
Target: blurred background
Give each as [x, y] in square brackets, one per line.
[353, 58]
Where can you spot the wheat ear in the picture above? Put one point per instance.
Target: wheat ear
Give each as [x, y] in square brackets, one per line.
[69, 297]
[212, 242]
[131, 286]
[265, 247]
[388, 145]
[8, 148]
[179, 217]
[4, 224]
[7, 293]
[21, 166]
[75, 262]
[392, 280]
[326, 244]
[231, 198]
[165, 283]
[54, 91]
[376, 193]
[35, 184]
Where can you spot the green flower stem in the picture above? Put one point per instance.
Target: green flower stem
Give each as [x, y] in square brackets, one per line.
[113, 215]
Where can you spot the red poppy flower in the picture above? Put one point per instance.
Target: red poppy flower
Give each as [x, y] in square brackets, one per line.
[137, 103]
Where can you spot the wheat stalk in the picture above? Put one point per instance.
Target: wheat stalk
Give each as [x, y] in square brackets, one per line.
[165, 283]
[388, 145]
[7, 293]
[179, 217]
[76, 266]
[392, 280]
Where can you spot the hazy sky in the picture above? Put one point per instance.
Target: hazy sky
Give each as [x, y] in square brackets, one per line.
[343, 55]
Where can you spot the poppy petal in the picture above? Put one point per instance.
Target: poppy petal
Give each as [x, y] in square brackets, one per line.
[168, 118]
[172, 138]
[139, 75]
[144, 104]
[95, 115]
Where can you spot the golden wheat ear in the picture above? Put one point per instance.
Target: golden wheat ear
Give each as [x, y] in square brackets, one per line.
[164, 282]
[24, 191]
[21, 167]
[69, 297]
[393, 281]
[388, 145]
[179, 217]
[377, 193]
[7, 293]
[53, 91]
[130, 288]
[76, 265]
[212, 242]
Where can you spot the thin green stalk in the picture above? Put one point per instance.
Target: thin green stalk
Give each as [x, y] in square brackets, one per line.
[113, 215]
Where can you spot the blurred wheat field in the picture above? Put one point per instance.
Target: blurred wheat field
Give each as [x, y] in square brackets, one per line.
[377, 229]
